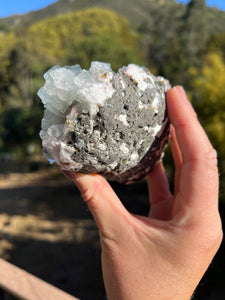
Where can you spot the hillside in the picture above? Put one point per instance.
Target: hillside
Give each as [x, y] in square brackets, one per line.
[138, 12]
[135, 11]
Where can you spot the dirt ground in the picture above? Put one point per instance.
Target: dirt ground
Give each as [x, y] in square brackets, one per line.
[46, 229]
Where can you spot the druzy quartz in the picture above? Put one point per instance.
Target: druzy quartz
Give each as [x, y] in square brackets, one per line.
[99, 121]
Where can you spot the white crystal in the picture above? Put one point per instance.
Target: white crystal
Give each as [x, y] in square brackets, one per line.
[93, 92]
[155, 104]
[102, 147]
[140, 76]
[134, 156]
[97, 65]
[162, 127]
[55, 131]
[124, 149]
[64, 157]
[165, 82]
[58, 91]
[113, 165]
[141, 105]
[123, 83]
[122, 119]
[156, 129]
[71, 84]
[66, 85]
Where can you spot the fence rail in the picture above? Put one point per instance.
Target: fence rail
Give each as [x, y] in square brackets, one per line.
[25, 286]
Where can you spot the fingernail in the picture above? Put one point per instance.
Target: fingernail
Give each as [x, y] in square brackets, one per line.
[184, 97]
[83, 177]
[181, 91]
[174, 89]
[83, 180]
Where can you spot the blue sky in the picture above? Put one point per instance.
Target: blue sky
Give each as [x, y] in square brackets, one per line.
[9, 7]
[219, 3]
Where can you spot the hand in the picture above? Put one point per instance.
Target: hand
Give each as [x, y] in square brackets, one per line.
[165, 255]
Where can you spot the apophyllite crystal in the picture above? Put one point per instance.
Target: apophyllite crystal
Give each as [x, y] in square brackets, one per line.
[99, 121]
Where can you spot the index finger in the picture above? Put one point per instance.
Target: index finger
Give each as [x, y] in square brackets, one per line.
[192, 139]
[198, 183]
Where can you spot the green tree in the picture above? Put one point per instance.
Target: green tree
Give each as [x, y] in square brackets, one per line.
[7, 44]
[101, 48]
[54, 36]
[15, 86]
[217, 44]
[208, 99]
[185, 48]
[158, 30]
[19, 130]
[194, 28]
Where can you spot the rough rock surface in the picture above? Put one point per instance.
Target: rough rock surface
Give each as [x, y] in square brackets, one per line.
[99, 121]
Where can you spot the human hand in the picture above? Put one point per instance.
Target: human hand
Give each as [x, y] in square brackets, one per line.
[164, 255]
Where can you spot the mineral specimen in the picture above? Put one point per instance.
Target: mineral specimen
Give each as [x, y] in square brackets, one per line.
[99, 121]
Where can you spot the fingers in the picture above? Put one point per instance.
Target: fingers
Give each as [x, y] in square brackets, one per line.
[191, 137]
[198, 183]
[177, 157]
[102, 201]
[159, 193]
[158, 184]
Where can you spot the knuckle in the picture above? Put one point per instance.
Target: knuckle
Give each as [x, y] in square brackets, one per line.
[219, 234]
[220, 237]
[88, 186]
[209, 164]
[211, 157]
[213, 238]
[215, 242]
[217, 239]
[88, 192]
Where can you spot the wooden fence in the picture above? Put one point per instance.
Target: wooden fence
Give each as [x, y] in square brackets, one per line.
[25, 286]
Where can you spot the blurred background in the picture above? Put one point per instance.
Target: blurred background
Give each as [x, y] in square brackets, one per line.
[44, 226]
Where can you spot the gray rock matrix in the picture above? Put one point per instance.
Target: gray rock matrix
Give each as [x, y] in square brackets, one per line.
[99, 121]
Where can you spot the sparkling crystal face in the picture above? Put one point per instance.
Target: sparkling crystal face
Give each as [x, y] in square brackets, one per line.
[100, 121]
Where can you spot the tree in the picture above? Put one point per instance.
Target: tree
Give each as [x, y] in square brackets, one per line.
[217, 44]
[158, 30]
[7, 43]
[54, 36]
[208, 99]
[194, 28]
[101, 48]
[15, 74]
[185, 48]
[19, 129]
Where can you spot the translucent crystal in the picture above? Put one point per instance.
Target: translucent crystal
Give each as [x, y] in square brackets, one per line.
[69, 84]
[97, 65]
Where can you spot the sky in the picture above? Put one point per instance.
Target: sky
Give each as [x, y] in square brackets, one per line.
[219, 3]
[10, 7]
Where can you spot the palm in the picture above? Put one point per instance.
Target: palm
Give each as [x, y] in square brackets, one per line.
[164, 255]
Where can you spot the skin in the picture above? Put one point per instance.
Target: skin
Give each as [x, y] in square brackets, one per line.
[162, 256]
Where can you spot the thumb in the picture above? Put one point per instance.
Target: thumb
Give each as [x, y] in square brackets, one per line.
[102, 201]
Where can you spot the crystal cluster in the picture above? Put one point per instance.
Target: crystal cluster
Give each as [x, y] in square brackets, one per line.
[99, 121]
